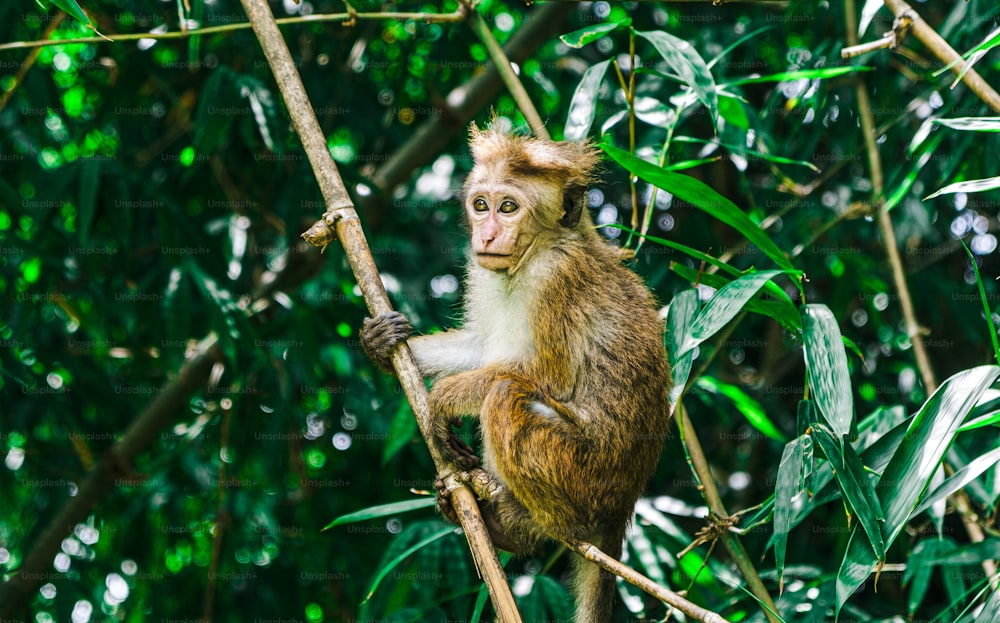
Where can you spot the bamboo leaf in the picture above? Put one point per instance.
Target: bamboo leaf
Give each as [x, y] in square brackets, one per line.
[685, 61]
[395, 562]
[724, 306]
[583, 107]
[911, 467]
[383, 510]
[750, 408]
[701, 196]
[804, 74]
[779, 307]
[854, 485]
[919, 571]
[787, 487]
[680, 317]
[986, 305]
[579, 38]
[826, 365]
[74, 9]
[968, 186]
[977, 124]
[991, 611]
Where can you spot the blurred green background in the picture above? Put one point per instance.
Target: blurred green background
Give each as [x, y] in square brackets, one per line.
[152, 190]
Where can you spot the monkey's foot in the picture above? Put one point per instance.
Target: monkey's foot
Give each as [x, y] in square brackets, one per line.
[462, 452]
[477, 479]
[444, 505]
[482, 483]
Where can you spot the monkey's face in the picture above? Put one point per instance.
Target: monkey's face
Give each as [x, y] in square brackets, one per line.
[496, 219]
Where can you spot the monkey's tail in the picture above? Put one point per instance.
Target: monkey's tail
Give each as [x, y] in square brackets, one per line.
[593, 587]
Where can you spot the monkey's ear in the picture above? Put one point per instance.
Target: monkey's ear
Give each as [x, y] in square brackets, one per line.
[573, 200]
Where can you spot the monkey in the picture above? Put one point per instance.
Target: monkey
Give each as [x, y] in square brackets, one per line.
[560, 356]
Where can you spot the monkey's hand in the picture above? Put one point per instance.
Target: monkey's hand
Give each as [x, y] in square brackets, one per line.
[381, 335]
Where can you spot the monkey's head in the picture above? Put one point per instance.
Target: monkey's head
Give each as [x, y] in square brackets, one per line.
[522, 191]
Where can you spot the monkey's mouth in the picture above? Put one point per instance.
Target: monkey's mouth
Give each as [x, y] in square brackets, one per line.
[494, 261]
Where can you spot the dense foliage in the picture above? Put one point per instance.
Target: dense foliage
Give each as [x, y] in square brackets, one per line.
[152, 190]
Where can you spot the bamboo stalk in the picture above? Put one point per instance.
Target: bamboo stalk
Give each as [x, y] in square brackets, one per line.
[342, 216]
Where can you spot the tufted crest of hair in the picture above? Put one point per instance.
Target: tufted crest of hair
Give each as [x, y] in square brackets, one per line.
[566, 164]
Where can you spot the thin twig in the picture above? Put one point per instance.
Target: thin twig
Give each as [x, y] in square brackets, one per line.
[711, 494]
[913, 328]
[509, 77]
[429, 18]
[633, 577]
[28, 63]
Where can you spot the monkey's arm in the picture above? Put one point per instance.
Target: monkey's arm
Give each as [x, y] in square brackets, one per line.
[440, 354]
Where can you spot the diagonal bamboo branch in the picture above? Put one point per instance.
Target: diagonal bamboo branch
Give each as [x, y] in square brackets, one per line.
[503, 65]
[341, 215]
[940, 48]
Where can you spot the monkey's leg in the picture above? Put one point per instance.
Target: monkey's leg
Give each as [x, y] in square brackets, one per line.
[451, 398]
[539, 449]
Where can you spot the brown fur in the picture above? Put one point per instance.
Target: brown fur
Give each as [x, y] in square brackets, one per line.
[560, 357]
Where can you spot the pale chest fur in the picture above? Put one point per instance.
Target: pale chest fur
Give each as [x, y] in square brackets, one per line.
[500, 319]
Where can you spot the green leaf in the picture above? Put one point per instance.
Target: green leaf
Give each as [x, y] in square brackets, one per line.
[826, 365]
[724, 306]
[71, 7]
[749, 152]
[991, 611]
[732, 111]
[383, 510]
[855, 485]
[990, 419]
[972, 554]
[750, 408]
[919, 570]
[969, 186]
[680, 317]
[912, 465]
[781, 308]
[654, 112]
[977, 124]
[401, 432]
[992, 329]
[787, 487]
[732, 46]
[416, 547]
[903, 188]
[804, 74]
[579, 38]
[701, 196]
[685, 61]
[263, 109]
[583, 107]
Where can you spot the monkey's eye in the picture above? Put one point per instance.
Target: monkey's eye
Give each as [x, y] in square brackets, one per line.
[480, 205]
[508, 206]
